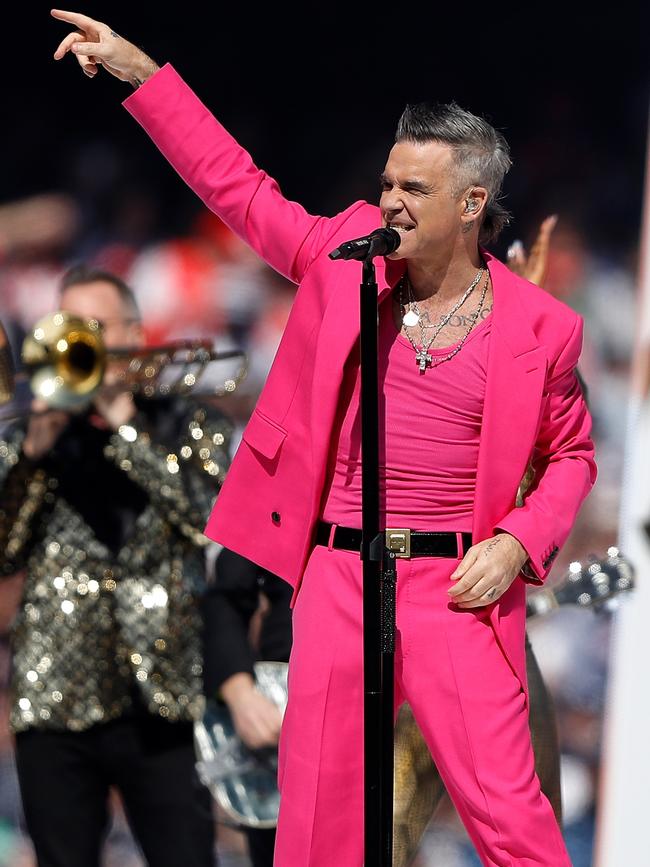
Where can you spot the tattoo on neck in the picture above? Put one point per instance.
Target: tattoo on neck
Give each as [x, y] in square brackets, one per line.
[464, 321]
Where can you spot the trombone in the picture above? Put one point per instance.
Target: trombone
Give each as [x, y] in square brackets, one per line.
[65, 358]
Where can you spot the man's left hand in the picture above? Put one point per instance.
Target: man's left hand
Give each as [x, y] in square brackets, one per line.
[487, 570]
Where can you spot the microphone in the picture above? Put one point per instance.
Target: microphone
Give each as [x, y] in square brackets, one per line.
[381, 242]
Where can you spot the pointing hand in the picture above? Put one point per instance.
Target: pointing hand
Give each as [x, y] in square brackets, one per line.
[96, 45]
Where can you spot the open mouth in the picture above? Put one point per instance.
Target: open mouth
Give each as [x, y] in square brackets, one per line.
[401, 227]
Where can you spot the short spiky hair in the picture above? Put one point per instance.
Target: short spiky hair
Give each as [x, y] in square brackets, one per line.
[80, 274]
[481, 153]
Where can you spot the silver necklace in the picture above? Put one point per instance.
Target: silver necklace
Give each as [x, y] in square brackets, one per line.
[411, 315]
[422, 356]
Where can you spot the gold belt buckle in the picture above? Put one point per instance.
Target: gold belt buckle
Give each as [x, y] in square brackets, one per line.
[398, 540]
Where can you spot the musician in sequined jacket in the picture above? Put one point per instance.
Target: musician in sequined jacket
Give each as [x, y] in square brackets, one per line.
[103, 510]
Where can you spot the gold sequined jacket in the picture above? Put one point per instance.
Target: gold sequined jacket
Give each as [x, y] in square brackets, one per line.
[101, 629]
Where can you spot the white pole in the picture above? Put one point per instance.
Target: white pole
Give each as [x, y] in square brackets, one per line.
[623, 817]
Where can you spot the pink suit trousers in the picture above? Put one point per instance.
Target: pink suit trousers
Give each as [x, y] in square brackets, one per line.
[467, 700]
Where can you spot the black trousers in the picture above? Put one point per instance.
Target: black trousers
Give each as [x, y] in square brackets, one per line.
[65, 778]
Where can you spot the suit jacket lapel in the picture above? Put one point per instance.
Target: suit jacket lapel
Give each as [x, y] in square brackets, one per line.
[516, 374]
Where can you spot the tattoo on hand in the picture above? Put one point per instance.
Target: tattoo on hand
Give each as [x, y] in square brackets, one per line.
[488, 548]
[114, 34]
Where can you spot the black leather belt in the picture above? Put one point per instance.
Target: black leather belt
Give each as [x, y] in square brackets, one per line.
[405, 543]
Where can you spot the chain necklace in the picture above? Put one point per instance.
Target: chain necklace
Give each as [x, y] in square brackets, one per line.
[422, 357]
[412, 315]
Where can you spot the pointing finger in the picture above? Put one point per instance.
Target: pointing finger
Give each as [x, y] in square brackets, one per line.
[76, 18]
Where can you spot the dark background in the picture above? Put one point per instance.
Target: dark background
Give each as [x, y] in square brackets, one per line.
[315, 94]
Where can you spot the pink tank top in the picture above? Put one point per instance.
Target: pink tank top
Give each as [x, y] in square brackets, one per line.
[427, 463]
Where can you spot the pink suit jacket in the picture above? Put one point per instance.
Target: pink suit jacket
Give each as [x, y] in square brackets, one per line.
[270, 502]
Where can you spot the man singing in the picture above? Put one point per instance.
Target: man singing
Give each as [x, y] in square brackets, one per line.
[477, 380]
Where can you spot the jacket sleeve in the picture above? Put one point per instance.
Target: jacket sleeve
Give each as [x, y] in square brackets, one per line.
[24, 491]
[228, 606]
[563, 461]
[184, 483]
[224, 176]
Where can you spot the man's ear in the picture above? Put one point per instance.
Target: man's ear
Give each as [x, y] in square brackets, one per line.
[473, 203]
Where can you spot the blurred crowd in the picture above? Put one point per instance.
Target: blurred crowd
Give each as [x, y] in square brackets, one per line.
[205, 283]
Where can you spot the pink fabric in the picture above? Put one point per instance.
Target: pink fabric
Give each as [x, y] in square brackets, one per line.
[478, 736]
[271, 500]
[533, 405]
[429, 456]
[533, 408]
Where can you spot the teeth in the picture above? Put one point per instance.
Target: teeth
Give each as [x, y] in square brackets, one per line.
[401, 228]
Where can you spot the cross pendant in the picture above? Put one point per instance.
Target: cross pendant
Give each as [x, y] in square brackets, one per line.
[423, 359]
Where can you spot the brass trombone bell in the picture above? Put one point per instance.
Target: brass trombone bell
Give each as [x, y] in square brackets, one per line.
[65, 361]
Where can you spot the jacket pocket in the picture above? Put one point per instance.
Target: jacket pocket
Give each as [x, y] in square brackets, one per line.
[264, 435]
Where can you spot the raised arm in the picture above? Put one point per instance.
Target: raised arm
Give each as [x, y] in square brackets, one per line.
[206, 156]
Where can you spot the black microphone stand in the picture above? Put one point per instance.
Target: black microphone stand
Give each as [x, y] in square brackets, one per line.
[379, 577]
[378, 552]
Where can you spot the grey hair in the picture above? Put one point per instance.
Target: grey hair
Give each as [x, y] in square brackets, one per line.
[481, 154]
